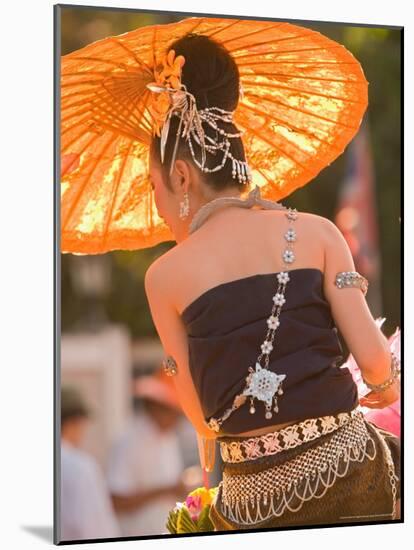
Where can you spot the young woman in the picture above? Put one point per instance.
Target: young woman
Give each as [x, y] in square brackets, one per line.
[247, 307]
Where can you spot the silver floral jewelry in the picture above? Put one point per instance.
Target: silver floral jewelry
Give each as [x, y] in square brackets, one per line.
[184, 206]
[351, 279]
[261, 383]
[169, 365]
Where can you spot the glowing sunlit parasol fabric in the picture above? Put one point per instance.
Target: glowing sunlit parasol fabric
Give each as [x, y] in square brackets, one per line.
[304, 99]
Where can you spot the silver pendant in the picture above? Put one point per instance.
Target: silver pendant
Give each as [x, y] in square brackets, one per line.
[263, 385]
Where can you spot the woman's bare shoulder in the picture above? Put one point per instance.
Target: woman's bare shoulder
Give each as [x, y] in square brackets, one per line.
[314, 220]
[317, 235]
[167, 267]
[313, 226]
[332, 236]
[318, 226]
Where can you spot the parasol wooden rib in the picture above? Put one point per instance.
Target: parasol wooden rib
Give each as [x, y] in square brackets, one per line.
[304, 99]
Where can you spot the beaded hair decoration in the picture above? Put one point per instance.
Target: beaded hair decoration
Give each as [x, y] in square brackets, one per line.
[172, 99]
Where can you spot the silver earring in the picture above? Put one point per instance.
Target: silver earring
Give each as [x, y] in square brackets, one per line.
[185, 206]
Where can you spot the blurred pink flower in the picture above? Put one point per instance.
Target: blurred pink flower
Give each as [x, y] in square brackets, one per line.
[194, 505]
[389, 417]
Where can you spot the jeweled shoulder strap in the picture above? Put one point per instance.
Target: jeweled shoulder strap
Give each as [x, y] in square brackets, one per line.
[261, 383]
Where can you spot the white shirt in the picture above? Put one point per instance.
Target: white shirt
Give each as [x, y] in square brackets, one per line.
[144, 457]
[86, 508]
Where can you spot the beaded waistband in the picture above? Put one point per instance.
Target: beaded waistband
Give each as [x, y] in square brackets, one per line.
[286, 438]
[254, 497]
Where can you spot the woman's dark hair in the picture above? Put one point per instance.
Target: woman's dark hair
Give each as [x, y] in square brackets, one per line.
[211, 74]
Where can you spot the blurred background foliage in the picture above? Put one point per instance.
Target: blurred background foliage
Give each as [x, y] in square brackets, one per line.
[379, 52]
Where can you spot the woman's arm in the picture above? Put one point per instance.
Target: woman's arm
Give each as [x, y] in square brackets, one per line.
[350, 311]
[172, 334]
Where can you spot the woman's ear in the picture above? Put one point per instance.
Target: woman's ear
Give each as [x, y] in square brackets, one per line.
[181, 175]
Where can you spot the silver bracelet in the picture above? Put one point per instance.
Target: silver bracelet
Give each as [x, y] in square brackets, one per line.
[349, 279]
[395, 372]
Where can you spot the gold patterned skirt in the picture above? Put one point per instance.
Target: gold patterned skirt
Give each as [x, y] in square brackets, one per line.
[331, 469]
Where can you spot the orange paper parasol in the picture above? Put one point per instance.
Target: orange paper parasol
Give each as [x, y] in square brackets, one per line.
[304, 96]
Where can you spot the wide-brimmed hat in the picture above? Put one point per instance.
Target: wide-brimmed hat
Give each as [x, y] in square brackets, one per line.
[157, 387]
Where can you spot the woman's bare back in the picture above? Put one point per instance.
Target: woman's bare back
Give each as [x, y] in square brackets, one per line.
[236, 244]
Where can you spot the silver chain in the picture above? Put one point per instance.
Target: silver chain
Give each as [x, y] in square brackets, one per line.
[262, 385]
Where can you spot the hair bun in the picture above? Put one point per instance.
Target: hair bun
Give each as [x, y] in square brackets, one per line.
[210, 73]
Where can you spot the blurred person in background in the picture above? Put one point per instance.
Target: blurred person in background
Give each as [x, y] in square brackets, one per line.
[145, 462]
[86, 507]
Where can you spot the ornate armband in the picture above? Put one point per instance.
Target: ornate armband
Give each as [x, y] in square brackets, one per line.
[169, 365]
[349, 279]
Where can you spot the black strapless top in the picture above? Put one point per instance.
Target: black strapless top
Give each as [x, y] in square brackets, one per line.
[226, 326]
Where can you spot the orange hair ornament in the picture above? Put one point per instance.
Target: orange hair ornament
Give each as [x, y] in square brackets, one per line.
[172, 97]
[166, 81]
